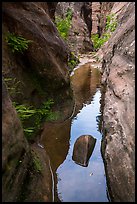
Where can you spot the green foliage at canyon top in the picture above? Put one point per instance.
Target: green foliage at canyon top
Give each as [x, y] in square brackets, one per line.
[111, 24]
[64, 25]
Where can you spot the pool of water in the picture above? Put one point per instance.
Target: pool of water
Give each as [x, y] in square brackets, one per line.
[75, 183]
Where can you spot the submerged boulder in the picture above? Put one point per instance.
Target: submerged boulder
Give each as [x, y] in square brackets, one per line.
[83, 149]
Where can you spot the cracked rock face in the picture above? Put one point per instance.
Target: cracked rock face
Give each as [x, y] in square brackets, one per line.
[118, 145]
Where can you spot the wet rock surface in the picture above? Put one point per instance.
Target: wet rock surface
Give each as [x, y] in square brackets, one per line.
[119, 105]
[83, 149]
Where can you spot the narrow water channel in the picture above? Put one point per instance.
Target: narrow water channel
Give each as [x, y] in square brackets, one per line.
[75, 183]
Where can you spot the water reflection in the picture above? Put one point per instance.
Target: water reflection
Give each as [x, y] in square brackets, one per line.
[75, 183]
[55, 138]
[80, 184]
[85, 81]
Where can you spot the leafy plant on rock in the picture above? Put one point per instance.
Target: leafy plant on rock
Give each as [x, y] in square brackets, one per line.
[111, 23]
[34, 116]
[17, 43]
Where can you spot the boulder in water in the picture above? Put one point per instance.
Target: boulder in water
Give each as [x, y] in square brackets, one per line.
[83, 149]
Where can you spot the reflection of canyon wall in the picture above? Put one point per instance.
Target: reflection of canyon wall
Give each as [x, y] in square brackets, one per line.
[85, 81]
[55, 137]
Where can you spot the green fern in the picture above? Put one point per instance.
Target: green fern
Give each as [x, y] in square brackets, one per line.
[17, 43]
[34, 116]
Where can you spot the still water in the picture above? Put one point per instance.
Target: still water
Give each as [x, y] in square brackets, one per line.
[75, 183]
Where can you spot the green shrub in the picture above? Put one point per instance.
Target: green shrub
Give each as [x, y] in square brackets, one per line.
[64, 25]
[111, 25]
[98, 42]
[30, 115]
[17, 43]
[73, 61]
[13, 85]
[24, 111]
[45, 113]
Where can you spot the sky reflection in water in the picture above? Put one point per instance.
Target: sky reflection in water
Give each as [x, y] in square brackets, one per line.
[77, 183]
